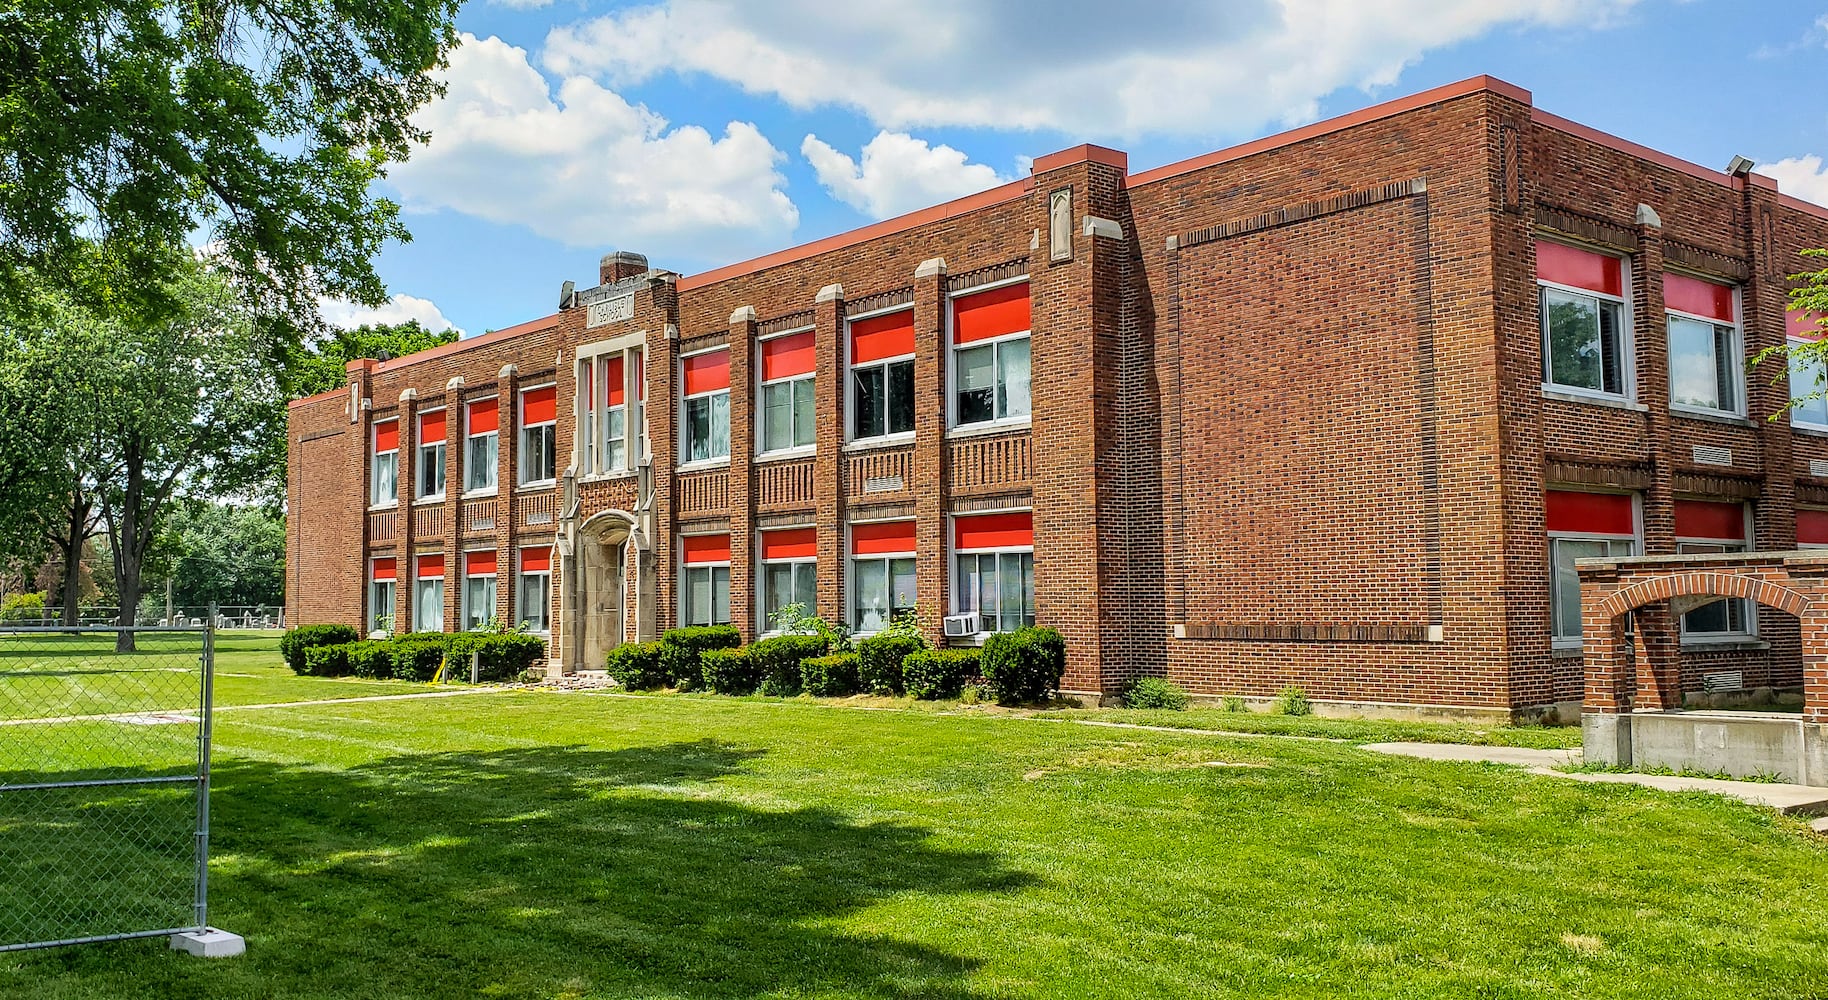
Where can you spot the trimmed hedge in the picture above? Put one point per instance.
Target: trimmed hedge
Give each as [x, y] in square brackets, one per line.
[1024, 666]
[833, 676]
[637, 666]
[500, 656]
[371, 658]
[293, 644]
[730, 671]
[684, 649]
[879, 660]
[417, 655]
[327, 661]
[778, 662]
[938, 673]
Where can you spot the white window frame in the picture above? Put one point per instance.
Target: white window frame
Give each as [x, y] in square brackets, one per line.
[958, 589]
[1628, 369]
[522, 427]
[761, 402]
[953, 349]
[465, 610]
[1793, 343]
[807, 563]
[1748, 607]
[374, 461]
[686, 570]
[418, 604]
[1737, 328]
[686, 462]
[420, 447]
[521, 576]
[851, 618]
[469, 437]
[850, 383]
[392, 596]
[1635, 540]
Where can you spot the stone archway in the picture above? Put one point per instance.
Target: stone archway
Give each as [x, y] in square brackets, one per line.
[599, 578]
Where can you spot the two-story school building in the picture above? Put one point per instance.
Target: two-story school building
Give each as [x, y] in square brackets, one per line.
[1336, 408]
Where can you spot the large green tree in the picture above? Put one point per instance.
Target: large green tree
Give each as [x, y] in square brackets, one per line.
[226, 555]
[130, 127]
[320, 365]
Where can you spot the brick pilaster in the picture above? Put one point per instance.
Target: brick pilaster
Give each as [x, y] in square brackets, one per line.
[1650, 338]
[1764, 303]
[828, 460]
[929, 464]
[741, 508]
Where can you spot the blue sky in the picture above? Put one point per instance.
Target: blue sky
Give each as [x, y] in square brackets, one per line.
[702, 132]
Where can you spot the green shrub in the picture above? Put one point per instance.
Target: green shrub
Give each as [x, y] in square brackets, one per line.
[500, 656]
[729, 671]
[1155, 692]
[371, 658]
[1292, 700]
[938, 673]
[879, 660]
[778, 660]
[833, 676]
[417, 655]
[974, 694]
[22, 607]
[328, 661]
[1235, 703]
[684, 647]
[637, 666]
[293, 644]
[1024, 666]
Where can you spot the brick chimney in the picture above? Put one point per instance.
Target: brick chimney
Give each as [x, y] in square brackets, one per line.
[618, 265]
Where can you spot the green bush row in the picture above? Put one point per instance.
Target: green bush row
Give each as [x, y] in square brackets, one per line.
[295, 642]
[418, 655]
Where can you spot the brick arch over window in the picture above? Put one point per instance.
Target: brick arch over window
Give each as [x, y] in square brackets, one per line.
[1706, 584]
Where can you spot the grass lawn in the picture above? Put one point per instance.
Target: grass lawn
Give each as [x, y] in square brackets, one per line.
[533, 844]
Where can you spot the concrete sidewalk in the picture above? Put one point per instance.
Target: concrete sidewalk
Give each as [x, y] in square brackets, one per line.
[1806, 800]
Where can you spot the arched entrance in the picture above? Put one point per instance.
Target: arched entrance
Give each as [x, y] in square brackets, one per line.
[599, 576]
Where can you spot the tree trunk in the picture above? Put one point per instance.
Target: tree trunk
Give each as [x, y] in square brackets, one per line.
[129, 547]
[76, 533]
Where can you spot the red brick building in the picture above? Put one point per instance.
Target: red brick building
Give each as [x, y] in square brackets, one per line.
[1335, 408]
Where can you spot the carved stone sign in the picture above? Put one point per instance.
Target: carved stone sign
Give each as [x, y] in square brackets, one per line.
[1060, 224]
[609, 311]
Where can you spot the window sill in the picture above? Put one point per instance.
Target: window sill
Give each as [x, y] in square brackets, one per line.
[786, 454]
[1810, 430]
[706, 466]
[1725, 644]
[429, 501]
[1615, 402]
[968, 640]
[1710, 416]
[537, 484]
[990, 427]
[1565, 652]
[379, 507]
[479, 495]
[606, 477]
[881, 441]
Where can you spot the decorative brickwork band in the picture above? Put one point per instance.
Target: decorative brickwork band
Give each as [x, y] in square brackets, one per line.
[1304, 633]
[1305, 211]
[1586, 227]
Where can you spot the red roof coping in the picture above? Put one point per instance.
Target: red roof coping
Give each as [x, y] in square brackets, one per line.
[316, 397]
[492, 337]
[1388, 109]
[1808, 207]
[1083, 153]
[1626, 146]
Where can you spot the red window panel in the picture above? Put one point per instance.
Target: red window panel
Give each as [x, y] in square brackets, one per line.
[994, 531]
[707, 372]
[1565, 265]
[615, 387]
[882, 538]
[539, 406]
[479, 563]
[878, 337]
[1696, 297]
[1589, 513]
[381, 569]
[705, 548]
[431, 567]
[1803, 325]
[386, 436]
[536, 560]
[790, 543]
[431, 427]
[482, 416]
[785, 357]
[1710, 519]
[1812, 527]
[991, 314]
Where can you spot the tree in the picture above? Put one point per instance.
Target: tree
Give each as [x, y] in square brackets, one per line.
[227, 555]
[322, 363]
[129, 126]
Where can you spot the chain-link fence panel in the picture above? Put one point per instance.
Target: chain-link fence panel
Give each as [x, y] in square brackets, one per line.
[104, 783]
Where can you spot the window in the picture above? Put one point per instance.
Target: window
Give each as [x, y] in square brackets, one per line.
[990, 355]
[533, 602]
[786, 396]
[428, 594]
[1582, 526]
[478, 588]
[603, 431]
[381, 575]
[994, 558]
[706, 413]
[789, 572]
[637, 433]
[1811, 529]
[430, 464]
[704, 589]
[1584, 345]
[384, 469]
[1707, 526]
[882, 574]
[538, 418]
[482, 447]
[1706, 364]
[882, 375]
[1806, 375]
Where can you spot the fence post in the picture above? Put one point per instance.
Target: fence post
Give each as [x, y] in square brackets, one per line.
[206, 941]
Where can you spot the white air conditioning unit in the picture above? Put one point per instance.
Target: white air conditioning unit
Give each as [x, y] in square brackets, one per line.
[961, 625]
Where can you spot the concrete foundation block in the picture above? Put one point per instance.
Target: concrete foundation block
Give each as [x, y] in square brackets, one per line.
[209, 943]
[1606, 739]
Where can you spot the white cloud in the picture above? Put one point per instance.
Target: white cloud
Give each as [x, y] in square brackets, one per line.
[586, 168]
[1802, 177]
[1186, 67]
[522, 4]
[899, 174]
[399, 309]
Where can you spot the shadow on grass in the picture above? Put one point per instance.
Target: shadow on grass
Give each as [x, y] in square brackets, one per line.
[546, 872]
